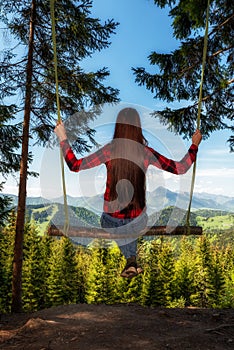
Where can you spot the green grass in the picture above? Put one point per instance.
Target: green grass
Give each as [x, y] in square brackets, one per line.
[216, 223]
[43, 226]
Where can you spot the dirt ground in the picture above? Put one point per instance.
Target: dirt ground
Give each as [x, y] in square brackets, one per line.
[128, 326]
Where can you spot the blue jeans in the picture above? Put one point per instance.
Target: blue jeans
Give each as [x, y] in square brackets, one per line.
[134, 226]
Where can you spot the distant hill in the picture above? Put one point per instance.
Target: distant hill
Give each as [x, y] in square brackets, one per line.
[215, 221]
[53, 214]
[212, 220]
[157, 200]
[167, 198]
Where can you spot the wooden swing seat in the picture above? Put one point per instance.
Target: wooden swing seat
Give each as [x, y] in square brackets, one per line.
[95, 232]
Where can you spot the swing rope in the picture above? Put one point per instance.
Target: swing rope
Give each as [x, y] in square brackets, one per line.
[199, 110]
[66, 222]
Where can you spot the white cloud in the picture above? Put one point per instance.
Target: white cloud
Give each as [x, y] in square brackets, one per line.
[217, 152]
[217, 172]
[215, 180]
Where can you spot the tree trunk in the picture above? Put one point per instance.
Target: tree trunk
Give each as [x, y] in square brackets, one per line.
[20, 220]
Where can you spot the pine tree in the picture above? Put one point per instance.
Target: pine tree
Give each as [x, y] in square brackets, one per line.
[78, 36]
[217, 278]
[208, 276]
[130, 290]
[83, 261]
[45, 246]
[177, 74]
[158, 279]
[9, 158]
[227, 264]
[62, 284]
[150, 288]
[112, 269]
[34, 269]
[7, 236]
[102, 283]
[5, 203]
[9, 132]
[96, 278]
[166, 273]
[184, 272]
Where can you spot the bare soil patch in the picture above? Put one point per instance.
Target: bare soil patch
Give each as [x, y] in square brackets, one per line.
[122, 326]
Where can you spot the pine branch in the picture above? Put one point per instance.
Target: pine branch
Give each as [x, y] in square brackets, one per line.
[221, 24]
[16, 64]
[221, 51]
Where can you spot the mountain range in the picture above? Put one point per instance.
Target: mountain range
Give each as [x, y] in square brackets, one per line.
[157, 199]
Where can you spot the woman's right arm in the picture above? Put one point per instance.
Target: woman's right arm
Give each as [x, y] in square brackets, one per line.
[177, 167]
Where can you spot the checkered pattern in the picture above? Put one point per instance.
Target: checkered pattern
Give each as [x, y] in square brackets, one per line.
[103, 156]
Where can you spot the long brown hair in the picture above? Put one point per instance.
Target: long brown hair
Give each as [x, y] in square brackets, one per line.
[127, 174]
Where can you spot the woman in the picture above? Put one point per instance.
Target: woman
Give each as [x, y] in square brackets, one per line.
[127, 158]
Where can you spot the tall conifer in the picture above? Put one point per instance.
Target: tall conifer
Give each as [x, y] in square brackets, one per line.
[62, 284]
[32, 77]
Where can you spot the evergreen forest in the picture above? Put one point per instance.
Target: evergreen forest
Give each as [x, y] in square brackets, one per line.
[178, 272]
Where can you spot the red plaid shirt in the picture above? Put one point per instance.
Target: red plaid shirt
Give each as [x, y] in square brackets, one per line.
[103, 156]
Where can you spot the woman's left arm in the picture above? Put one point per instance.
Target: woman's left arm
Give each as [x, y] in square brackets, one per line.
[75, 164]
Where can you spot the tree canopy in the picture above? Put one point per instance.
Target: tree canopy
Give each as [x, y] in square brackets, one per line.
[78, 36]
[177, 73]
[9, 157]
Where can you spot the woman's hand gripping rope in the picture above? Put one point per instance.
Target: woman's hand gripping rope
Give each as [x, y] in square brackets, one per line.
[197, 137]
[60, 131]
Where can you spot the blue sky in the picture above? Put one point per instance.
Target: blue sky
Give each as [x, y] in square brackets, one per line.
[144, 28]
